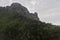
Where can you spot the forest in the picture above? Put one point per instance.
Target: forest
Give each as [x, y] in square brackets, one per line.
[17, 23]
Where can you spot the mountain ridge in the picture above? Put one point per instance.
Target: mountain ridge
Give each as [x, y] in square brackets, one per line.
[16, 7]
[17, 23]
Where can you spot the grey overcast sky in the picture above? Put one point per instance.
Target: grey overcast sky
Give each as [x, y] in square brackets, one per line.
[48, 10]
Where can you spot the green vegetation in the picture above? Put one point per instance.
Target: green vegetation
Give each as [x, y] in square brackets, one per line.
[17, 26]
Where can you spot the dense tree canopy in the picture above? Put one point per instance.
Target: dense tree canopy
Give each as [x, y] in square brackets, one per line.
[20, 26]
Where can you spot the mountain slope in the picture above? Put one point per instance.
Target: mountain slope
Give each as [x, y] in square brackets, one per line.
[16, 23]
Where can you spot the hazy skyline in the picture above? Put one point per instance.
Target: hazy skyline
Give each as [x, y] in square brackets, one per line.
[48, 10]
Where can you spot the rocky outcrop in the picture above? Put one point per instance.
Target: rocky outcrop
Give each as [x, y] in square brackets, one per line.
[35, 16]
[16, 7]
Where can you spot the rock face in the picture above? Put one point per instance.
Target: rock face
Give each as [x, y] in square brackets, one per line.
[35, 16]
[16, 7]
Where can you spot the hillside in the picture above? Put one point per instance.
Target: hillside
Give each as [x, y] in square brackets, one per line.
[17, 23]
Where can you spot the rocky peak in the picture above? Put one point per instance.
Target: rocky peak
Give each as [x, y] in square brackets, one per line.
[16, 4]
[21, 10]
[18, 8]
[35, 16]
